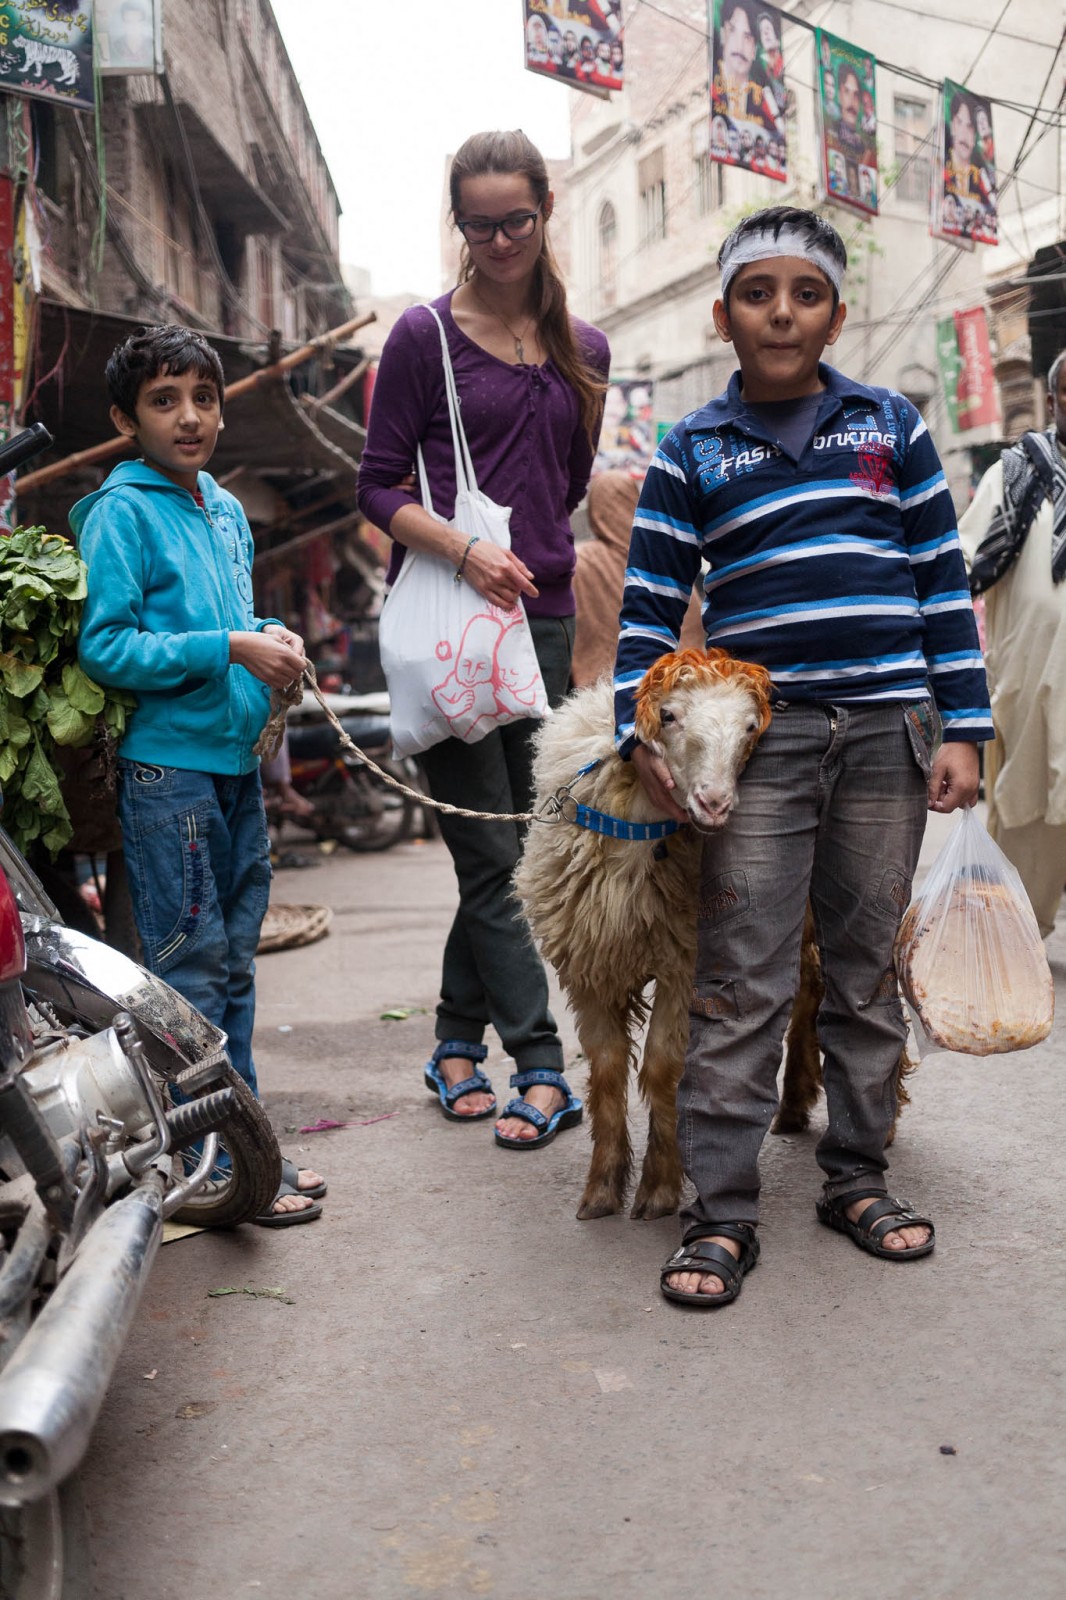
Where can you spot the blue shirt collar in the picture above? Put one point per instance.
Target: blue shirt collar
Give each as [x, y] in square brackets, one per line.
[729, 408]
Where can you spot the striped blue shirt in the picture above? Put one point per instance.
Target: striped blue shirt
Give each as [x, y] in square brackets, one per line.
[841, 573]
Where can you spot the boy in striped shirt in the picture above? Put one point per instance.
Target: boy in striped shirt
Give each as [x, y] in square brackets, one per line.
[820, 508]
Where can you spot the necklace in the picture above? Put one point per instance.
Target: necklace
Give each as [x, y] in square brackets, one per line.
[519, 347]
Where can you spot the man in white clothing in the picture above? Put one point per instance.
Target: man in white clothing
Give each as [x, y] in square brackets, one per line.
[1014, 539]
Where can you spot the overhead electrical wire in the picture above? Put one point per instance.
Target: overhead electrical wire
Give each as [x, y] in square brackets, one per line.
[1022, 155]
[887, 66]
[939, 266]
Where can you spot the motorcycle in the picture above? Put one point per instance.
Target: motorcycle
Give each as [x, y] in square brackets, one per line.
[119, 1109]
[351, 803]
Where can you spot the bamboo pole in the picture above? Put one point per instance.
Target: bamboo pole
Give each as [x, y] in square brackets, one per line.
[277, 369]
[314, 402]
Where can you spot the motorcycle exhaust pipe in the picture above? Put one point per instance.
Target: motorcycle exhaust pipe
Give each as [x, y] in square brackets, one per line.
[53, 1387]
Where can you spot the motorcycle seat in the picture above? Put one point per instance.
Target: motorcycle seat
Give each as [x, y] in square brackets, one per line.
[315, 741]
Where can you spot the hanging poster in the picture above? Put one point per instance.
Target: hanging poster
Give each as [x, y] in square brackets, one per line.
[950, 364]
[627, 437]
[964, 193]
[129, 36]
[847, 112]
[46, 50]
[748, 88]
[580, 42]
[965, 359]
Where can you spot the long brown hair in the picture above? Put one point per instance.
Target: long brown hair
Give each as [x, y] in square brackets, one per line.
[514, 153]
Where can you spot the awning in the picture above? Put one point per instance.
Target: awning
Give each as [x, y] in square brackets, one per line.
[269, 430]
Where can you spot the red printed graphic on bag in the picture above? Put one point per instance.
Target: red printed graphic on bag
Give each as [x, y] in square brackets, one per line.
[467, 693]
[494, 673]
[516, 678]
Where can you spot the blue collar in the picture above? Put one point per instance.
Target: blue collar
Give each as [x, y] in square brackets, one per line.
[601, 821]
[728, 408]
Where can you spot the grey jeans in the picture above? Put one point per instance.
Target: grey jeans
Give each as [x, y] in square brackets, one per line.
[832, 806]
[492, 973]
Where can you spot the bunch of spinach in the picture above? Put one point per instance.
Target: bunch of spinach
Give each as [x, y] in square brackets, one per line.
[45, 698]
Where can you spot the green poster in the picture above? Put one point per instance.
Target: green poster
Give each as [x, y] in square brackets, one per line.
[950, 361]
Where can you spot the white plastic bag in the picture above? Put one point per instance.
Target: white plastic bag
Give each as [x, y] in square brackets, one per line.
[969, 954]
[456, 666]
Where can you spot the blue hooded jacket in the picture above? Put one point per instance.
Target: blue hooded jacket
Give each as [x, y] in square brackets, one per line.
[168, 583]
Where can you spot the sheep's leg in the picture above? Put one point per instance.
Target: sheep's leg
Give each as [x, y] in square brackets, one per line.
[904, 1068]
[604, 1035]
[803, 1059]
[659, 1190]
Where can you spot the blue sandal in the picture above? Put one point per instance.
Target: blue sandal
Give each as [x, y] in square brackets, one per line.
[477, 1083]
[567, 1116]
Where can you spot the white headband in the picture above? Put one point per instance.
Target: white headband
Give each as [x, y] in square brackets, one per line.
[790, 241]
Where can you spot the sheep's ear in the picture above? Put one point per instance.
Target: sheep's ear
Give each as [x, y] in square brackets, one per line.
[647, 721]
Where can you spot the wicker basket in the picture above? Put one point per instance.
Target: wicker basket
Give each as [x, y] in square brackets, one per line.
[285, 927]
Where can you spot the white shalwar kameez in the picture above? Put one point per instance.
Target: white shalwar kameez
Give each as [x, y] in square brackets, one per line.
[1025, 655]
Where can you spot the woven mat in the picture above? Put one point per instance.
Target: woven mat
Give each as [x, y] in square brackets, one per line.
[285, 927]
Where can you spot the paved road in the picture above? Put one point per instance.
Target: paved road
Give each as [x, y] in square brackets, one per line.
[473, 1394]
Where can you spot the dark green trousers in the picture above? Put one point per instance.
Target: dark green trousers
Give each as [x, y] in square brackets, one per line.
[492, 973]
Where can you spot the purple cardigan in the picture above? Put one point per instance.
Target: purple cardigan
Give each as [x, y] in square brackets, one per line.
[529, 449]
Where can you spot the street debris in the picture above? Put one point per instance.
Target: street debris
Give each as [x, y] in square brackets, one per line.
[150, 1375]
[611, 1380]
[256, 1294]
[948, 1450]
[401, 1013]
[326, 1124]
[196, 1408]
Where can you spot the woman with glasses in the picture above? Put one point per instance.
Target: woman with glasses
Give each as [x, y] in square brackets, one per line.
[531, 381]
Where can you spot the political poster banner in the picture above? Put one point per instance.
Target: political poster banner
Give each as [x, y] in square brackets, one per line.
[129, 36]
[46, 50]
[964, 355]
[965, 205]
[748, 88]
[579, 42]
[628, 435]
[847, 116]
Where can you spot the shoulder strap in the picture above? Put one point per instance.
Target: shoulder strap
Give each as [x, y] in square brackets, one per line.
[464, 466]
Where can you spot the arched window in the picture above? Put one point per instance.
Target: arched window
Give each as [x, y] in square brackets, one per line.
[608, 241]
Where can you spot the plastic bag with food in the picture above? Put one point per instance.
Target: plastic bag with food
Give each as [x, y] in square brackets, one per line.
[969, 954]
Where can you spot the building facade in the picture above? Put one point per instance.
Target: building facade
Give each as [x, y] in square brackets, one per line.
[200, 197]
[650, 208]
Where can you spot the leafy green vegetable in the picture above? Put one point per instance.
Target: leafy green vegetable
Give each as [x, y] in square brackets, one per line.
[45, 698]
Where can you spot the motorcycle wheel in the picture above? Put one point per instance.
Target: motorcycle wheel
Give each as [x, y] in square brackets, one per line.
[44, 1547]
[243, 1187]
[363, 813]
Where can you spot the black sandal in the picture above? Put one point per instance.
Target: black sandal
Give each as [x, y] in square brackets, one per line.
[885, 1216]
[703, 1255]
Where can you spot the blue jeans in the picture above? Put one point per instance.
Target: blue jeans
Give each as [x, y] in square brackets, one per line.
[832, 806]
[198, 859]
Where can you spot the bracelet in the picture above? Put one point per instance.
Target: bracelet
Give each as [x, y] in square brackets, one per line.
[470, 543]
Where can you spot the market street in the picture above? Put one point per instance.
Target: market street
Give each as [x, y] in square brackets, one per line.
[465, 1391]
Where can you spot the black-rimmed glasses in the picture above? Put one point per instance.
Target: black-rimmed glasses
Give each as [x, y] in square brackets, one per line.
[520, 225]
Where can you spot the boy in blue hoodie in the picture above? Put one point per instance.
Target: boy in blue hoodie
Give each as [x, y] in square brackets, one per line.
[169, 616]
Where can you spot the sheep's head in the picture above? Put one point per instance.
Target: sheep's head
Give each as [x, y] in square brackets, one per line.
[703, 712]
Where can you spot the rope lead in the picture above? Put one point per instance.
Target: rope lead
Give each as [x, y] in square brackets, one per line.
[269, 743]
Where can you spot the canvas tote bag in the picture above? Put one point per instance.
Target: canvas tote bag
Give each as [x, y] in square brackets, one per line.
[456, 666]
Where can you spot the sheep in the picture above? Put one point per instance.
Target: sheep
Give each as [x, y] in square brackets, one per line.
[802, 1082]
[611, 916]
